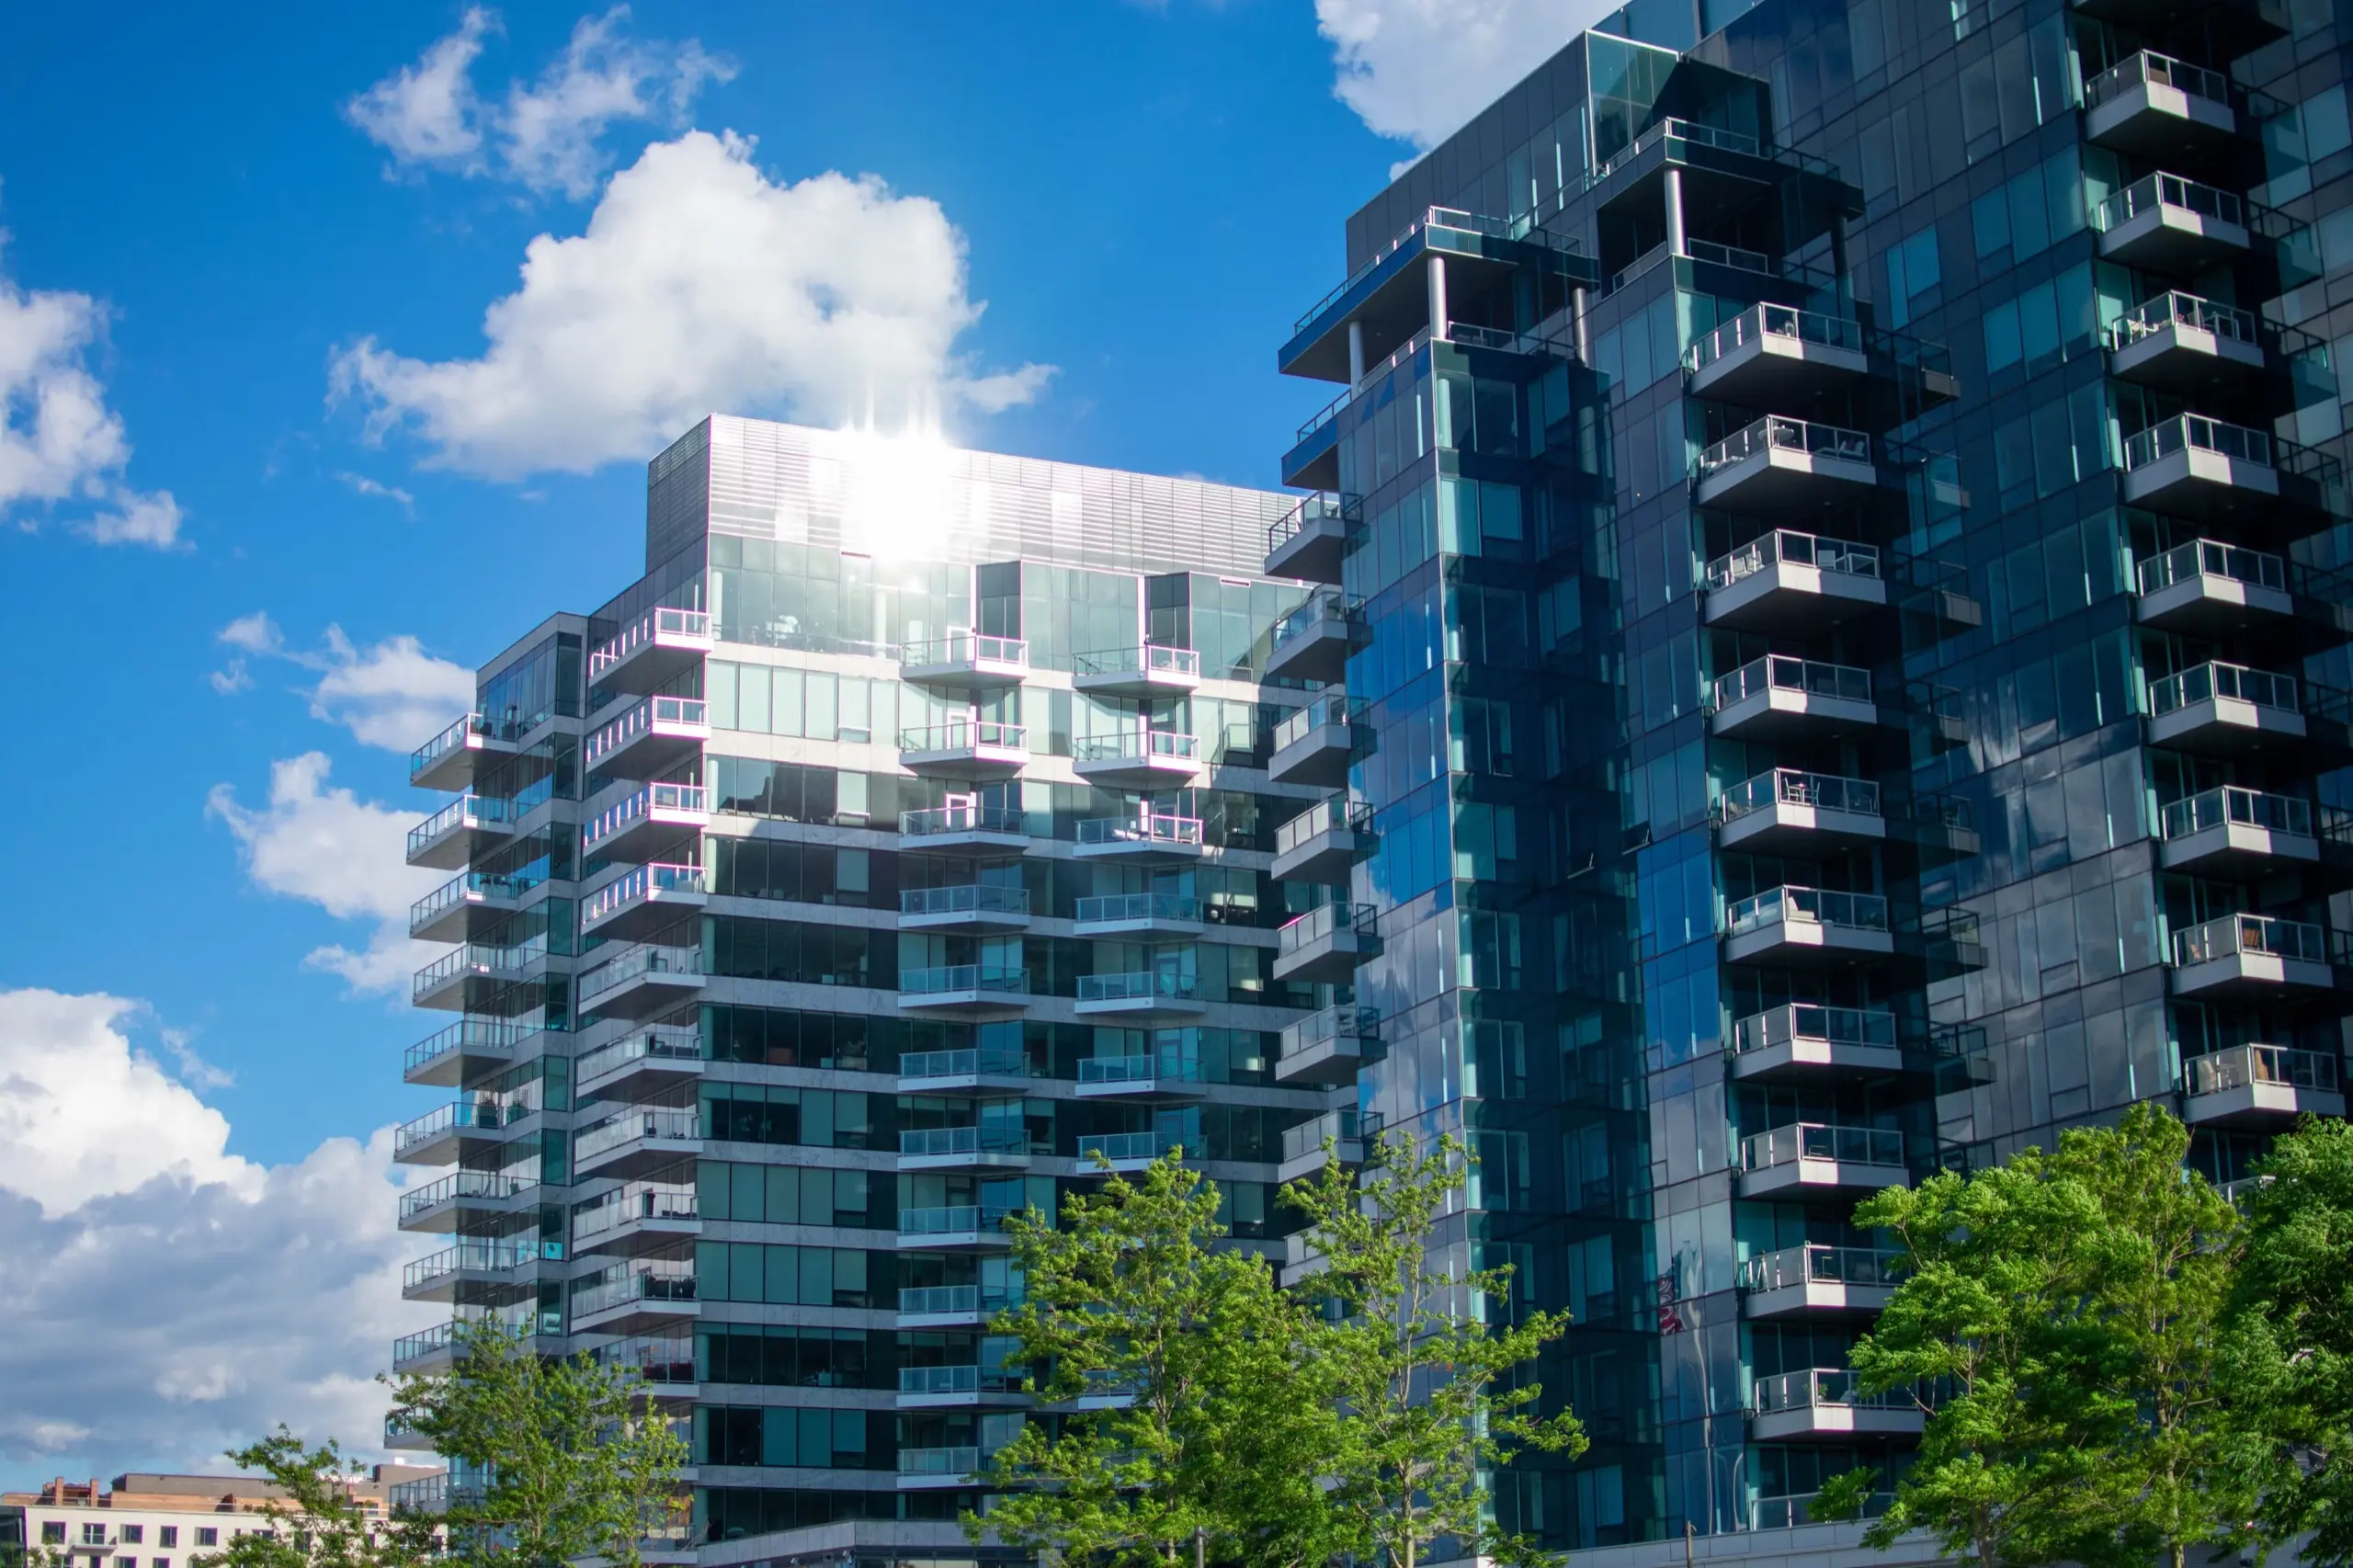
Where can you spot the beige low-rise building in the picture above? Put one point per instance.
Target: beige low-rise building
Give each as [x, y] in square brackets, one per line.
[148, 1519]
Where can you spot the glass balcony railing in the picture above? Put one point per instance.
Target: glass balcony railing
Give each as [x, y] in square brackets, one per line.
[949, 1298]
[965, 734]
[648, 1045]
[2174, 308]
[677, 713]
[985, 898]
[951, 1219]
[1822, 1140]
[2149, 68]
[1813, 1263]
[2247, 1066]
[953, 977]
[1821, 906]
[1334, 815]
[961, 646]
[472, 1034]
[1119, 1147]
[678, 798]
[991, 1138]
[636, 1200]
[2232, 805]
[1785, 323]
[1313, 509]
[1305, 720]
[938, 1461]
[939, 1380]
[1177, 1066]
[1325, 609]
[488, 1185]
[991, 1060]
[1779, 672]
[1127, 906]
[646, 1282]
[1520, 228]
[1778, 433]
[1150, 659]
[632, 1125]
[1137, 746]
[2210, 558]
[475, 959]
[466, 888]
[1327, 920]
[2189, 432]
[641, 883]
[1344, 1021]
[483, 1113]
[1698, 135]
[471, 1257]
[646, 629]
[1819, 1386]
[2162, 190]
[2208, 682]
[636, 963]
[1795, 1021]
[2265, 935]
[1148, 828]
[967, 818]
[468, 810]
[1800, 548]
[1138, 985]
[1340, 1126]
[1789, 787]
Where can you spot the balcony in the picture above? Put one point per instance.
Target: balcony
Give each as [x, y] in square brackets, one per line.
[966, 661]
[635, 1144]
[2153, 106]
[475, 1268]
[2259, 1086]
[1784, 810]
[1801, 1040]
[651, 738]
[1327, 1047]
[2235, 831]
[447, 1204]
[641, 1298]
[2212, 589]
[461, 831]
[1721, 170]
[976, 906]
[2195, 467]
[2165, 223]
[1772, 354]
[991, 1146]
[1325, 944]
[965, 748]
[1786, 581]
[642, 1216]
[1164, 1074]
[459, 1053]
[641, 981]
[641, 1066]
[1807, 1158]
[1781, 698]
[468, 979]
[1348, 1131]
[466, 907]
[1139, 759]
[1127, 1152]
[938, 1466]
[1807, 926]
[960, 1227]
[2252, 956]
[1315, 744]
[2224, 710]
[1323, 842]
[963, 826]
[447, 761]
[1815, 1280]
[1004, 1069]
[1139, 993]
[1310, 541]
[950, 1306]
[1138, 915]
[642, 901]
[964, 990]
[2182, 343]
[1779, 465]
[1140, 673]
[652, 651]
[451, 1131]
[1148, 835]
[1311, 644]
[653, 818]
[959, 1387]
[1825, 1404]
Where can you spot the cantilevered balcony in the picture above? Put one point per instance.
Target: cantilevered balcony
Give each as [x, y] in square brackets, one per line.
[1142, 758]
[652, 651]
[476, 1269]
[465, 1196]
[637, 1218]
[924, 1468]
[964, 990]
[2223, 709]
[462, 1051]
[1148, 835]
[1313, 642]
[1719, 169]
[1808, 1157]
[2153, 106]
[642, 901]
[2212, 589]
[2194, 467]
[1000, 1070]
[1128, 1151]
[635, 1298]
[1782, 698]
[1779, 465]
[641, 981]
[447, 761]
[2260, 1086]
[1137, 914]
[965, 659]
[973, 906]
[1825, 1404]
[1772, 353]
[951, 1306]
[963, 827]
[635, 1142]
[1327, 944]
[466, 907]
[1348, 1131]
[1807, 926]
[1814, 1280]
[1786, 581]
[1321, 843]
[2181, 342]
[461, 832]
[965, 748]
[639, 1066]
[1315, 743]
[1804, 1040]
[451, 1132]
[1309, 542]
[1139, 993]
[987, 1146]
[2252, 956]
[1783, 812]
[958, 1227]
[1170, 1073]
[465, 979]
[962, 1387]
[2234, 831]
[1146, 671]
[1327, 1047]
[646, 822]
[651, 738]
[2166, 223]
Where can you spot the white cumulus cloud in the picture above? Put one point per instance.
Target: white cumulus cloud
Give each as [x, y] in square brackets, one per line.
[700, 285]
[392, 694]
[1418, 70]
[426, 113]
[326, 845]
[227, 1296]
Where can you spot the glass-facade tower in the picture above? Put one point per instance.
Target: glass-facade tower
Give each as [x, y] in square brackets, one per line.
[1832, 521]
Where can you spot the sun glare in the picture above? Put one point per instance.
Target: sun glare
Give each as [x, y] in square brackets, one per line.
[899, 497]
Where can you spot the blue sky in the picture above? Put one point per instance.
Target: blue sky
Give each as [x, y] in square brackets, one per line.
[263, 474]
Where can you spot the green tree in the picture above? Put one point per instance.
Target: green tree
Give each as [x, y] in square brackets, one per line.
[573, 1461]
[319, 1523]
[1175, 1362]
[1427, 1368]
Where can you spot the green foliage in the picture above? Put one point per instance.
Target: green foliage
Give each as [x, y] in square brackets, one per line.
[577, 1462]
[1429, 1390]
[319, 1524]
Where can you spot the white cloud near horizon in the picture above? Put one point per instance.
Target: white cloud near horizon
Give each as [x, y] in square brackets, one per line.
[391, 695]
[228, 1296]
[700, 284]
[1418, 70]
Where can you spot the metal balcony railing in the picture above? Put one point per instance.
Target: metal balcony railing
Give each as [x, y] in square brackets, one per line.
[962, 646]
[2232, 805]
[1822, 906]
[2174, 308]
[2210, 557]
[1002, 1061]
[2157, 70]
[642, 881]
[683, 711]
[2232, 935]
[1150, 658]
[1340, 1126]
[1813, 1264]
[961, 819]
[1111, 908]
[943, 978]
[2158, 190]
[1800, 549]
[965, 734]
[983, 897]
[647, 1045]
[2204, 682]
[1303, 720]
[1807, 1021]
[1327, 920]
[1783, 673]
[1790, 787]
[1822, 1140]
[645, 629]
[995, 1138]
[1152, 827]
[636, 963]
[1777, 432]
[631, 1126]
[2245, 1066]
[1818, 1386]
[1345, 1021]
[2187, 432]
[1784, 322]
[643, 804]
